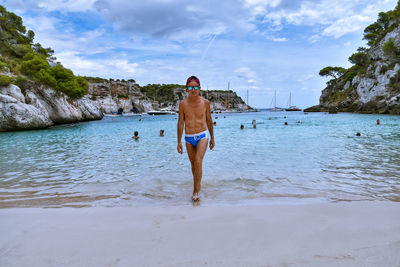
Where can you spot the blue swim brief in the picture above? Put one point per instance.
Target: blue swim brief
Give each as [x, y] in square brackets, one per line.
[194, 139]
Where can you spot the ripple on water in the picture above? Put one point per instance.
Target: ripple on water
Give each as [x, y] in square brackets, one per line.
[97, 163]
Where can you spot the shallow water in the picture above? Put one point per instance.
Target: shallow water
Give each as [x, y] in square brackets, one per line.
[98, 163]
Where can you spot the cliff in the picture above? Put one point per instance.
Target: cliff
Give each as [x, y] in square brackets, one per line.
[34, 106]
[111, 96]
[372, 85]
[39, 107]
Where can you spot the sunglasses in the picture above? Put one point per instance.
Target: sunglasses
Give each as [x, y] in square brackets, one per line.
[190, 88]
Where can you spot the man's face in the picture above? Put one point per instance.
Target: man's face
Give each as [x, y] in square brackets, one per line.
[192, 85]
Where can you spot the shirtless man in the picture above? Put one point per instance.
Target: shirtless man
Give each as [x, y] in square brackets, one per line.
[195, 113]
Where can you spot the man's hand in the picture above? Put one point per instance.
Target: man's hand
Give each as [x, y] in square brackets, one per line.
[180, 148]
[212, 144]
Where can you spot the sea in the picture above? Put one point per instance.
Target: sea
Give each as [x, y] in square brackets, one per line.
[316, 157]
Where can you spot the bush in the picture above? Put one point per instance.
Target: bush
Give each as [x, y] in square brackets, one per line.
[352, 72]
[360, 59]
[6, 80]
[390, 49]
[160, 92]
[68, 83]
[33, 63]
[94, 79]
[339, 96]
[3, 65]
[21, 81]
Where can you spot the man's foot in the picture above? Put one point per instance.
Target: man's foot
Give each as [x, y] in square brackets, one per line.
[196, 197]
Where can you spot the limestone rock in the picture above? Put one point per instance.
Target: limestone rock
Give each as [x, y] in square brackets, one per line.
[41, 107]
[374, 90]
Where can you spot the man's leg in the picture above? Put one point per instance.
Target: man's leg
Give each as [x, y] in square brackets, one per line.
[196, 155]
[198, 164]
[191, 151]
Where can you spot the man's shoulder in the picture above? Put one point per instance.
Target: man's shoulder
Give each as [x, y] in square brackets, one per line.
[205, 101]
[183, 102]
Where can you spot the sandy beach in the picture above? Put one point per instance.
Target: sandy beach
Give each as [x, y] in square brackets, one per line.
[324, 234]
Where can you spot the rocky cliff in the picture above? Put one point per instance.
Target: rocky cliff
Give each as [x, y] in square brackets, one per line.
[112, 96]
[36, 106]
[372, 85]
[40, 107]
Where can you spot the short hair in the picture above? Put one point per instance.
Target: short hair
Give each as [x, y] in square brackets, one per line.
[192, 78]
[136, 133]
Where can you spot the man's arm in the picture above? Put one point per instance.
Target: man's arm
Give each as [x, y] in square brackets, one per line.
[180, 127]
[210, 124]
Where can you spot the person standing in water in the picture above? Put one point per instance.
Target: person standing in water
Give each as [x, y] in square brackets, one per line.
[195, 114]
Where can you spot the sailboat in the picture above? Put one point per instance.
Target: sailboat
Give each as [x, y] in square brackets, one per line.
[275, 108]
[292, 108]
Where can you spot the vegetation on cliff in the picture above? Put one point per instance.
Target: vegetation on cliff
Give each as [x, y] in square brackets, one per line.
[160, 92]
[21, 57]
[372, 83]
[374, 33]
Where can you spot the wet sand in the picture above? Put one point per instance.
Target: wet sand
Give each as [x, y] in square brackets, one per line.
[324, 234]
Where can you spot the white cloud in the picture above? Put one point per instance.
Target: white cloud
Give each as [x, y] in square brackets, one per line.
[51, 5]
[279, 39]
[177, 20]
[338, 17]
[107, 68]
[314, 38]
[246, 74]
[342, 26]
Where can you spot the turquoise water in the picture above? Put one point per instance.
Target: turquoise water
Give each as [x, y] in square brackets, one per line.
[98, 163]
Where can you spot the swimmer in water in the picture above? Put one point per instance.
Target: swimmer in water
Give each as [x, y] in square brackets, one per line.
[136, 135]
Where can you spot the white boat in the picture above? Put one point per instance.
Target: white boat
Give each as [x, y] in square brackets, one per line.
[292, 108]
[161, 112]
[130, 114]
[275, 108]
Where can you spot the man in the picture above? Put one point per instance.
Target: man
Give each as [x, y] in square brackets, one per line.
[195, 114]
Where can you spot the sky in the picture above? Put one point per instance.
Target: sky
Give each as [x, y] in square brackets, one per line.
[257, 46]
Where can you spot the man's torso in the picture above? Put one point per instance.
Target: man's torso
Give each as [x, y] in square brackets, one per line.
[195, 115]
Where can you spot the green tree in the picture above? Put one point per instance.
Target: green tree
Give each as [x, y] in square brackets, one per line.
[360, 59]
[334, 72]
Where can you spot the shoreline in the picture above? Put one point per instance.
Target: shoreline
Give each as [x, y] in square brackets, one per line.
[321, 234]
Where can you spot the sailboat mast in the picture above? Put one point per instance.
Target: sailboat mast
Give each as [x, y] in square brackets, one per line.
[275, 99]
[247, 96]
[290, 99]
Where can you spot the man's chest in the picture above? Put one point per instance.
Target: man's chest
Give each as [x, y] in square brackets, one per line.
[194, 111]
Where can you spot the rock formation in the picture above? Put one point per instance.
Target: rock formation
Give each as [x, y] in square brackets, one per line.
[373, 84]
[35, 106]
[40, 107]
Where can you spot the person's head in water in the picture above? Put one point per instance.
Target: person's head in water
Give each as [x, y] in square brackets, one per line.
[286, 123]
[358, 134]
[135, 135]
[378, 122]
[161, 132]
[241, 127]
[193, 86]
[215, 123]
